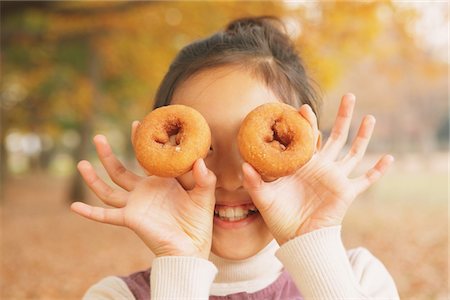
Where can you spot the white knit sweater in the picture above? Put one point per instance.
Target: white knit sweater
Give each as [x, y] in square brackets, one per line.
[317, 262]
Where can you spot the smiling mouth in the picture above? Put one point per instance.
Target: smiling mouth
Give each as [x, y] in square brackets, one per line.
[234, 213]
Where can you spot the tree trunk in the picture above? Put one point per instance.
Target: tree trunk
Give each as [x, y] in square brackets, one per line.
[77, 188]
[3, 154]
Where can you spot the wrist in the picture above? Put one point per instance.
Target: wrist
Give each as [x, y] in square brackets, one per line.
[305, 228]
[309, 226]
[181, 278]
[182, 253]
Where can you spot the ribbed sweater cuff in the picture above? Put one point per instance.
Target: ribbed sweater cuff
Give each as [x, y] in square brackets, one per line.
[181, 277]
[318, 263]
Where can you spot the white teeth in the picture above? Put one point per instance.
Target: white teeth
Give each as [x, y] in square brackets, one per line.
[235, 213]
[238, 212]
[236, 218]
[229, 212]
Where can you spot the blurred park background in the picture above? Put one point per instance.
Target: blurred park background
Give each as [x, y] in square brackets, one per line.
[71, 69]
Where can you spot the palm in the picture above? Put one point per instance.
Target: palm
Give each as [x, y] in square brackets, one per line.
[315, 197]
[163, 214]
[320, 193]
[169, 219]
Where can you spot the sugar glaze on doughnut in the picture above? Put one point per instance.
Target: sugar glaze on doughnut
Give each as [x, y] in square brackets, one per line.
[170, 139]
[276, 140]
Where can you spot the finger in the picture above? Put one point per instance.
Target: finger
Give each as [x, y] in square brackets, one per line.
[112, 216]
[359, 146]
[319, 141]
[205, 185]
[108, 195]
[118, 173]
[255, 186]
[307, 112]
[252, 180]
[341, 126]
[365, 181]
[134, 127]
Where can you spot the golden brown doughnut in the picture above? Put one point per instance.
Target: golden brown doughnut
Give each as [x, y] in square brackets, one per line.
[275, 139]
[170, 139]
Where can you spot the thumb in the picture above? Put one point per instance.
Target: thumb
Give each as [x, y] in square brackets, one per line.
[134, 127]
[254, 185]
[205, 185]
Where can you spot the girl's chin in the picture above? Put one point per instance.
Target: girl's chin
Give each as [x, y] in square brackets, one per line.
[240, 239]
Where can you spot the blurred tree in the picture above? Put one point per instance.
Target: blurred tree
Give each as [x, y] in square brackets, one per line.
[81, 65]
[80, 59]
[443, 132]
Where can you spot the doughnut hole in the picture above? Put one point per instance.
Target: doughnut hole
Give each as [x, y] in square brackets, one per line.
[170, 139]
[171, 134]
[281, 135]
[276, 140]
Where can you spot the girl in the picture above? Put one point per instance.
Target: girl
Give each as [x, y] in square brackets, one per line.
[286, 243]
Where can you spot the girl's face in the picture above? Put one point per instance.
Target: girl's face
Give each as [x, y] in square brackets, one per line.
[224, 96]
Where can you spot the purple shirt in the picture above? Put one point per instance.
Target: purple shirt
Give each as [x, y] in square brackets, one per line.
[281, 289]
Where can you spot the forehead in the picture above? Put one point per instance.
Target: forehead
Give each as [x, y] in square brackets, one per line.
[225, 94]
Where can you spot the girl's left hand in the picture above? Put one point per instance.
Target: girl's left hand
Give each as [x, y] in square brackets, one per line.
[319, 194]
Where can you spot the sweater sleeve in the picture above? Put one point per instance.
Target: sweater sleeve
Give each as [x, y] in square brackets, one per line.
[109, 288]
[179, 277]
[322, 269]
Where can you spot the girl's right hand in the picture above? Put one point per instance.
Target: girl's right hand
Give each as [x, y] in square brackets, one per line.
[170, 220]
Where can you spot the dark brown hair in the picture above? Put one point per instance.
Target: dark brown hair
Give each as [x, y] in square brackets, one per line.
[259, 44]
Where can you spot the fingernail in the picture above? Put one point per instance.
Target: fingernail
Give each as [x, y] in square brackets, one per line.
[100, 138]
[350, 96]
[371, 119]
[202, 167]
[249, 171]
[83, 164]
[246, 168]
[306, 106]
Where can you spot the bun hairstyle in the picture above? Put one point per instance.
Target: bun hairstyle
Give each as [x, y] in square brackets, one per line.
[261, 45]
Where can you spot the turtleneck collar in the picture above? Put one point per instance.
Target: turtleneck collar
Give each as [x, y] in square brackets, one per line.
[262, 265]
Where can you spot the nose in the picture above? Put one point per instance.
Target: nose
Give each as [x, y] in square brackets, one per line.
[229, 174]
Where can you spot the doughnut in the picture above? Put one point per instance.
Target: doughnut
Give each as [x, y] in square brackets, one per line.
[275, 139]
[170, 139]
